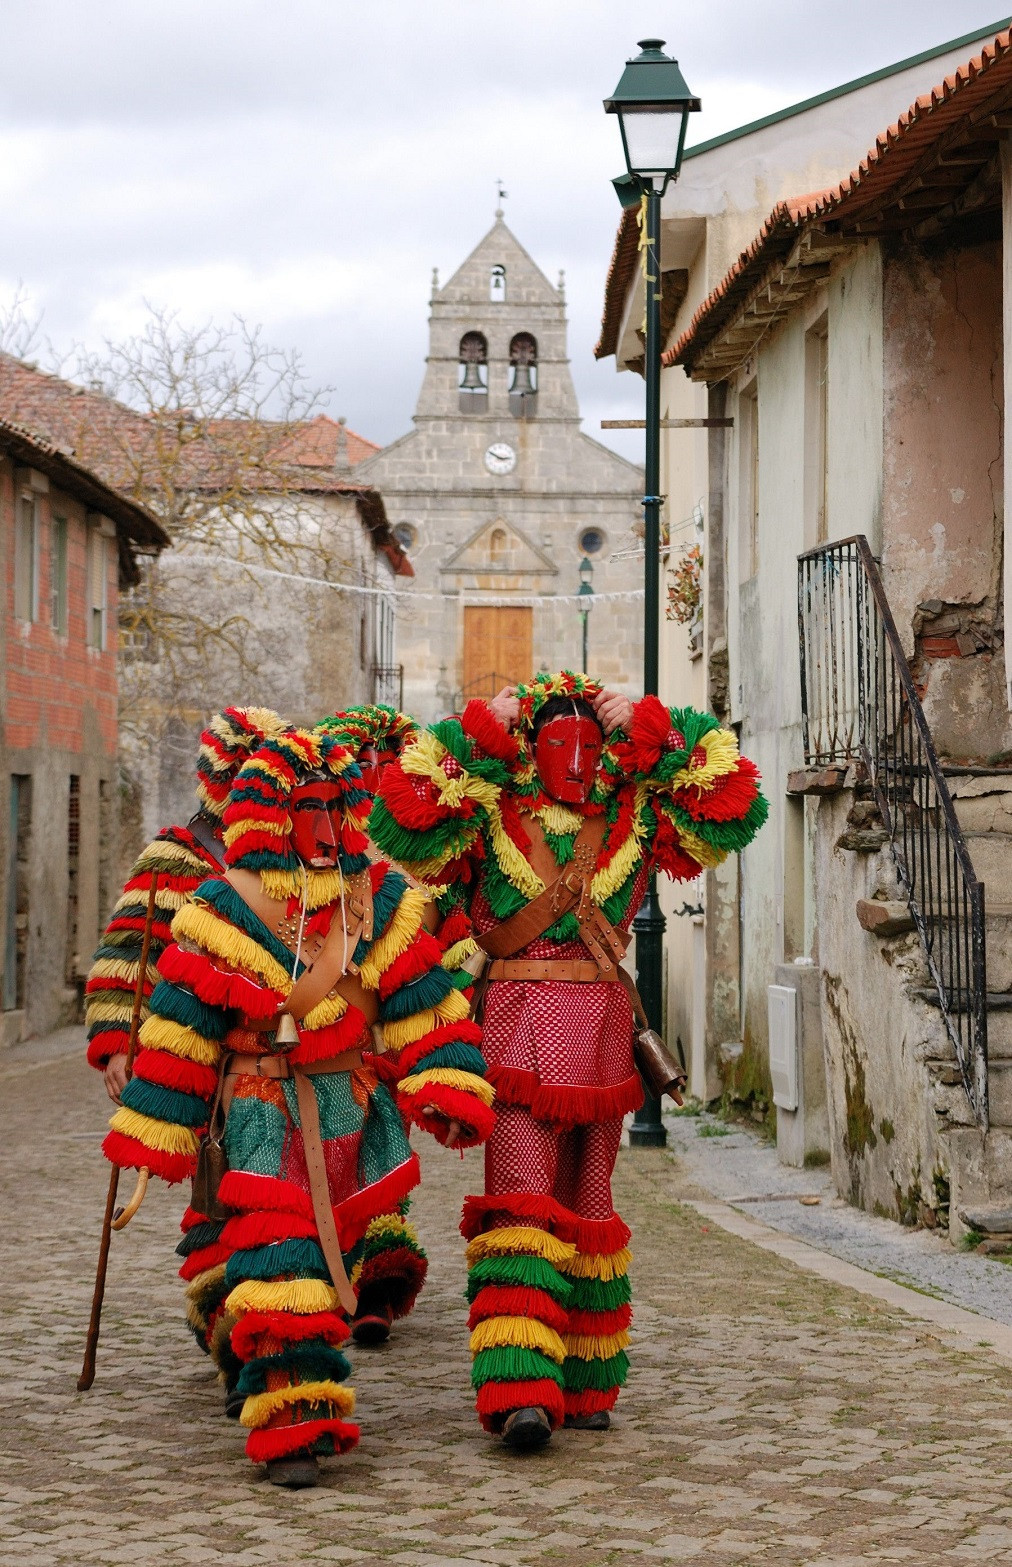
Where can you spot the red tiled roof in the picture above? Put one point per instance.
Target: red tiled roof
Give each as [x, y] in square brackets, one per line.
[317, 444]
[620, 274]
[875, 183]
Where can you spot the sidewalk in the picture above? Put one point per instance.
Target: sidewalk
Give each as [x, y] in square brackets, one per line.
[771, 1414]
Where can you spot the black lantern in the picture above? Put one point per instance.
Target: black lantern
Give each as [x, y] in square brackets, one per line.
[653, 103]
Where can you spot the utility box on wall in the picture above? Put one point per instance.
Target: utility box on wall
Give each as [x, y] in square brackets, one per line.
[797, 1066]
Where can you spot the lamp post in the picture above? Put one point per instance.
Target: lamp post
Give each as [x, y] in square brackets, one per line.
[586, 599]
[653, 103]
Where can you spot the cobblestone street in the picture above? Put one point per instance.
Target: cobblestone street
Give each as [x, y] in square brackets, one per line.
[769, 1415]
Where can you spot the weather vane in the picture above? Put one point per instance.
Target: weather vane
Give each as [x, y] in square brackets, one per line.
[501, 194]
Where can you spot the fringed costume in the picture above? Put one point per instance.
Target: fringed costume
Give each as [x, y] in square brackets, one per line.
[465, 806]
[182, 857]
[224, 978]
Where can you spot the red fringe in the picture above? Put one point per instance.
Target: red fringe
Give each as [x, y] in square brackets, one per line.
[402, 1273]
[422, 955]
[190, 1218]
[599, 1237]
[218, 987]
[252, 1194]
[545, 1211]
[464, 1032]
[590, 1399]
[207, 1257]
[600, 1323]
[130, 1154]
[480, 724]
[411, 802]
[648, 731]
[160, 928]
[563, 1105]
[454, 928]
[727, 799]
[113, 1043]
[321, 1043]
[287, 1328]
[497, 1300]
[476, 1119]
[496, 1400]
[248, 1193]
[247, 1230]
[171, 1071]
[269, 1442]
[167, 883]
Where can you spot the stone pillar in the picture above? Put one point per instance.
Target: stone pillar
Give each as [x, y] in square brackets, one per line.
[1006, 228]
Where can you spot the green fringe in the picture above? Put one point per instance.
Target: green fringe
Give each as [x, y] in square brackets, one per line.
[375, 1245]
[200, 1235]
[600, 1294]
[530, 1272]
[164, 1104]
[183, 1007]
[386, 900]
[601, 1374]
[311, 1361]
[731, 836]
[302, 1259]
[223, 898]
[463, 1058]
[418, 995]
[406, 845]
[507, 1364]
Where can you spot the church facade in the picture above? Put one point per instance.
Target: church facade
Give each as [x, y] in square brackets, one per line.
[499, 499]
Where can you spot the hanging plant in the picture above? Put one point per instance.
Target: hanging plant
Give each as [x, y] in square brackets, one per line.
[685, 586]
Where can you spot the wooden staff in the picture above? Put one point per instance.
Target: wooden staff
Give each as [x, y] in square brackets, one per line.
[111, 1215]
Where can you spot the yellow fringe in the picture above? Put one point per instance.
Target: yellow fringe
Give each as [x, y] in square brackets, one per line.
[586, 1265]
[591, 1346]
[355, 1274]
[401, 1031]
[303, 1296]
[512, 863]
[207, 930]
[699, 849]
[109, 1010]
[617, 871]
[423, 758]
[560, 819]
[236, 830]
[204, 1284]
[449, 1077]
[259, 1407]
[520, 1332]
[457, 955]
[220, 1347]
[322, 887]
[398, 936]
[160, 1136]
[391, 1225]
[162, 1033]
[524, 1241]
[325, 1012]
[721, 748]
[453, 1008]
[162, 850]
[121, 968]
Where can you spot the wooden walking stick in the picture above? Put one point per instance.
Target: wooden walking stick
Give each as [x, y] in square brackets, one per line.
[113, 1218]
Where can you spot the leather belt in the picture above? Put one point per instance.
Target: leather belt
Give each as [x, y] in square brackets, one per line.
[280, 1067]
[534, 970]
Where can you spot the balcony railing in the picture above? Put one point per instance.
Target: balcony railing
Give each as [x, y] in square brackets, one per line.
[859, 702]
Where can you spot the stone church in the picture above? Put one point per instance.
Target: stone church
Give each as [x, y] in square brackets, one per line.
[500, 498]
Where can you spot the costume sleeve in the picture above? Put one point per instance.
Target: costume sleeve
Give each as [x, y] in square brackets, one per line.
[440, 794]
[112, 980]
[431, 1047]
[166, 1102]
[700, 799]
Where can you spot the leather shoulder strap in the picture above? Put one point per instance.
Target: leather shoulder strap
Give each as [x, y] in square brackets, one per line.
[202, 832]
[566, 888]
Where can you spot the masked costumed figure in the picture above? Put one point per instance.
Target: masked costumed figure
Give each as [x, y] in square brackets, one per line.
[269, 991]
[394, 1264]
[182, 857]
[546, 810]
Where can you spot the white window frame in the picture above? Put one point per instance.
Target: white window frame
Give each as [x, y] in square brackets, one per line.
[27, 556]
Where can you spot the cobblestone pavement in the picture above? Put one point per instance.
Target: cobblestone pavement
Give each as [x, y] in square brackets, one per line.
[770, 1416]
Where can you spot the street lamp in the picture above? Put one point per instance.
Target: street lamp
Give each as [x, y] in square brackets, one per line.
[653, 103]
[586, 599]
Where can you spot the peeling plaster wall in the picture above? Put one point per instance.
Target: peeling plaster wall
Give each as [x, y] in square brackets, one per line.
[855, 422]
[942, 485]
[884, 1139]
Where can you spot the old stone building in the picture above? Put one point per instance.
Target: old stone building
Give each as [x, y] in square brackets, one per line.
[498, 496]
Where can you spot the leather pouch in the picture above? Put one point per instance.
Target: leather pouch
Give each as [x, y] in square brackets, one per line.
[212, 1165]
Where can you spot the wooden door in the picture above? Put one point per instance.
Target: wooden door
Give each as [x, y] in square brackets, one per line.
[497, 648]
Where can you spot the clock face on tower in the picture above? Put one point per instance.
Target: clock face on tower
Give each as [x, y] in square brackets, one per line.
[500, 458]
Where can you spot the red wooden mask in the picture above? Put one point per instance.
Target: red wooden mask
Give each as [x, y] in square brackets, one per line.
[372, 762]
[313, 807]
[566, 753]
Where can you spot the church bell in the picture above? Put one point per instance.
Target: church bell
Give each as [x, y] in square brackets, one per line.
[472, 381]
[522, 383]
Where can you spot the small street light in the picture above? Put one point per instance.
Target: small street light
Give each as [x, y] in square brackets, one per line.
[586, 599]
[653, 103]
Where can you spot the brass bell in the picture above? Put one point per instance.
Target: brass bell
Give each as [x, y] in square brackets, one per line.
[472, 381]
[287, 1034]
[523, 384]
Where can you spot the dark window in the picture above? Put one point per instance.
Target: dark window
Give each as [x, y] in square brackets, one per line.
[591, 541]
[26, 557]
[17, 910]
[472, 377]
[523, 385]
[58, 577]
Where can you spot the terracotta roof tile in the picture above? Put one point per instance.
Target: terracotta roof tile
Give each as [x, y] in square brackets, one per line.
[893, 160]
[624, 259]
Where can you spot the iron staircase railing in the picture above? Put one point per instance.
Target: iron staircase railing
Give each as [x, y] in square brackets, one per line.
[859, 703]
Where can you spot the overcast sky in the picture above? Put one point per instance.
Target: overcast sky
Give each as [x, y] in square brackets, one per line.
[307, 163]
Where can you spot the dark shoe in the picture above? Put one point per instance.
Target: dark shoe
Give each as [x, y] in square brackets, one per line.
[233, 1404]
[298, 1471]
[372, 1327]
[526, 1429]
[600, 1420]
